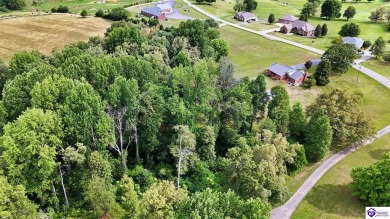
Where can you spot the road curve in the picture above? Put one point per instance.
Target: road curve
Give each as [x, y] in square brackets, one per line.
[285, 211]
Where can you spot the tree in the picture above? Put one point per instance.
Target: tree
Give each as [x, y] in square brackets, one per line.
[349, 123]
[220, 46]
[310, 8]
[183, 148]
[324, 30]
[387, 15]
[340, 56]
[120, 35]
[371, 183]
[379, 47]
[84, 13]
[323, 72]
[271, 19]
[207, 140]
[318, 31]
[127, 197]
[29, 148]
[63, 9]
[159, 201]
[117, 14]
[386, 58]
[308, 64]
[351, 30]
[221, 205]
[239, 7]
[14, 202]
[14, 4]
[258, 89]
[250, 5]
[297, 122]
[366, 44]
[349, 12]
[331, 9]
[318, 136]
[279, 108]
[377, 14]
[99, 13]
[303, 17]
[23, 61]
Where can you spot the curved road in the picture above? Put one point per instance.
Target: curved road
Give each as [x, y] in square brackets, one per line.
[285, 211]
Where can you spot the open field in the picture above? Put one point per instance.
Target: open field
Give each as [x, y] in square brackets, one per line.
[331, 197]
[378, 66]
[44, 33]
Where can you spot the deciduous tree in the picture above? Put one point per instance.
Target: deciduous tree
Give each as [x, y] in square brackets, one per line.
[318, 31]
[377, 14]
[351, 30]
[340, 56]
[331, 9]
[379, 47]
[271, 19]
[279, 108]
[323, 72]
[297, 122]
[324, 30]
[349, 12]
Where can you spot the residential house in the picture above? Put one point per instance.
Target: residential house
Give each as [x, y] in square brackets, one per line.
[245, 16]
[357, 42]
[299, 27]
[153, 12]
[288, 19]
[286, 73]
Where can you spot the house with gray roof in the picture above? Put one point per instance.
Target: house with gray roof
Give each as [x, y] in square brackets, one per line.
[299, 27]
[166, 8]
[153, 12]
[286, 73]
[356, 41]
[287, 19]
[245, 16]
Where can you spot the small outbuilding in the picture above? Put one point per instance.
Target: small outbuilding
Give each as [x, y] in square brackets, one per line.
[356, 41]
[245, 16]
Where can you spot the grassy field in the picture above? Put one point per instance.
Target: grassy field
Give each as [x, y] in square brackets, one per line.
[378, 66]
[331, 197]
[44, 33]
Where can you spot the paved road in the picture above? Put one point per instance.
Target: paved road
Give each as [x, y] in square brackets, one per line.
[285, 211]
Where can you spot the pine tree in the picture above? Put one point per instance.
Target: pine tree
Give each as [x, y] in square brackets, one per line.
[271, 19]
[297, 122]
[324, 30]
[318, 31]
[322, 72]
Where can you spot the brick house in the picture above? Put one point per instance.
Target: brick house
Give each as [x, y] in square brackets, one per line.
[299, 27]
[286, 73]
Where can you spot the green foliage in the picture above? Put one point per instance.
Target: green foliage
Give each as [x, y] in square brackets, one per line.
[279, 108]
[377, 14]
[220, 46]
[206, 148]
[117, 14]
[340, 56]
[323, 72]
[379, 47]
[367, 44]
[212, 204]
[331, 9]
[142, 177]
[181, 59]
[62, 9]
[349, 124]
[239, 7]
[318, 136]
[121, 35]
[159, 201]
[310, 8]
[271, 19]
[29, 148]
[23, 61]
[324, 30]
[84, 13]
[251, 5]
[318, 31]
[371, 184]
[199, 177]
[349, 12]
[300, 160]
[297, 122]
[99, 13]
[303, 17]
[14, 4]
[127, 197]
[13, 201]
[351, 29]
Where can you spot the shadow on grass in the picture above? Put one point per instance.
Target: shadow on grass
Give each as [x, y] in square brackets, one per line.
[377, 154]
[336, 199]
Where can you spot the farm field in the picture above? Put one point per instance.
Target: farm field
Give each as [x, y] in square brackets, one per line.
[44, 33]
[378, 66]
[332, 196]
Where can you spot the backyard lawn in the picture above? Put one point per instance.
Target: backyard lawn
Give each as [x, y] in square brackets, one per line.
[332, 196]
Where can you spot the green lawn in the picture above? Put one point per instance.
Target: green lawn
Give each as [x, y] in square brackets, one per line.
[378, 66]
[332, 196]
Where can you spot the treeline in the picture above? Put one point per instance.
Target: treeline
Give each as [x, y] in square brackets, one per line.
[150, 123]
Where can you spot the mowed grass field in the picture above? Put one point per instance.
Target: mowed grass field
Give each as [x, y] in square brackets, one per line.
[44, 33]
[378, 66]
[332, 196]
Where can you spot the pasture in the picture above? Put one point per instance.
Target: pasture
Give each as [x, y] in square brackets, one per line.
[46, 32]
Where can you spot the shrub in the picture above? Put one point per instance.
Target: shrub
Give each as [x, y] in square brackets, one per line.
[53, 10]
[84, 13]
[117, 14]
[3, 9]
[366, 44]
[99, 13]
[63, 9]
[309, 82]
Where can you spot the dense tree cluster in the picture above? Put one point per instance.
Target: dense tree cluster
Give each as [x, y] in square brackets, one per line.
[150, 122]
[331, 9]
[12, 5]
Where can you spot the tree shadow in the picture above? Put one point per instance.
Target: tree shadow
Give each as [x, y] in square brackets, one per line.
[377, 154]
[336, 199]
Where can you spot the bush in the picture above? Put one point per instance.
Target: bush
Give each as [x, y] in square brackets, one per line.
[309, 82]
[117, 14]
[63, 9]
[84, 13]
[99, 13]
[3, 9]
[366, 44]
[53, 10]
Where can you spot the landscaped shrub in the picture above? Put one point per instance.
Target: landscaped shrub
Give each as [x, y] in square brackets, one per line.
[53, 10]
[99, 13]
